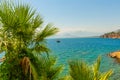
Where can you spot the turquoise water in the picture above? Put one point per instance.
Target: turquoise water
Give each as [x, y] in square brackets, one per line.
[87, 49]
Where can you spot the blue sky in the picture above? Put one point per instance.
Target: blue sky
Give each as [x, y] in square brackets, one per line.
[79, 18]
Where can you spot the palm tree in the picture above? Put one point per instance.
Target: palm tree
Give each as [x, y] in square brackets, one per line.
[79, 70]
[23, 39]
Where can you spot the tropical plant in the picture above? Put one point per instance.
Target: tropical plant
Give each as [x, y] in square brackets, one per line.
[79, 70]
[23, 39]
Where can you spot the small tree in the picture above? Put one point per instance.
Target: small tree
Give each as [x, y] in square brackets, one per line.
[23, 39]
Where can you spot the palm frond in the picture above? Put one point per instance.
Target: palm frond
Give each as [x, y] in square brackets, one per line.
[49, 30]
[97, 74]
[106, 75]
[47, 68]
[66, 78]
[41, 49]
[96, 68]
[79, 70]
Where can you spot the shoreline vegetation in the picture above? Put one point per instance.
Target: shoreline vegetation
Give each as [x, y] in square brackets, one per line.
[113, 34]
[26, 53]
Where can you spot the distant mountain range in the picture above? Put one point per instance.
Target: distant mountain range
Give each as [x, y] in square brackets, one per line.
[77, 34]
[113, 34]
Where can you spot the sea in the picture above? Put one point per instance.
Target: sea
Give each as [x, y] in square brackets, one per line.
[88, 50]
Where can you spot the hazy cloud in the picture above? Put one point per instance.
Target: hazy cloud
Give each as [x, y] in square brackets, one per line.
[74, 32]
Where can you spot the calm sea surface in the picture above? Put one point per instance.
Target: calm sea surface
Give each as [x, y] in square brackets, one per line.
[87, 49]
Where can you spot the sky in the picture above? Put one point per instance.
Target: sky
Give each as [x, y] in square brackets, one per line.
[79, 18]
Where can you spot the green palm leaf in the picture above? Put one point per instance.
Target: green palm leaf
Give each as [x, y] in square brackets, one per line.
[79, 70]
[20, 28]
[46, 32]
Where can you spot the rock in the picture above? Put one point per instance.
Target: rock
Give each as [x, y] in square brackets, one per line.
[115, 54]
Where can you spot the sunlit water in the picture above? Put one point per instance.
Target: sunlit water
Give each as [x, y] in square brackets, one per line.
[87, 49]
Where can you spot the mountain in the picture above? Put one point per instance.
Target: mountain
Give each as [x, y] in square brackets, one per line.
[76, 34]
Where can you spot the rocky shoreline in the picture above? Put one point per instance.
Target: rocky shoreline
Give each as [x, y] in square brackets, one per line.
[115, 54]
[113, 34]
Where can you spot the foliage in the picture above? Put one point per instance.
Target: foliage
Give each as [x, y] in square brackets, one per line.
[23, 39]
[79, 70]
